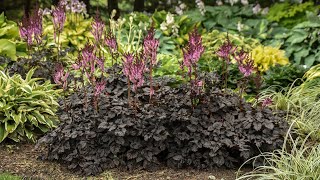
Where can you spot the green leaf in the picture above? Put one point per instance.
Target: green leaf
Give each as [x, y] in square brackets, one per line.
[26, 88]
[8, 48]
[298, 36]
[3, 132]
[310, 60]
[39, 117]
[16, 117]
[10, 126]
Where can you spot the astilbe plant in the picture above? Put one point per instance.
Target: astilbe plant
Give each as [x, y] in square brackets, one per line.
[111, 42]
[150, 47]
[30, 28]
[88, 63]
[61, 78]
[191, 55]
[134, 68]
[225, 52]
[58, 19]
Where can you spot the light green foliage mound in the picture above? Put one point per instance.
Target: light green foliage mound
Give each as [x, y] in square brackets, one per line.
[27, 108]
[9, 44]
[214, 39]
[288, 14]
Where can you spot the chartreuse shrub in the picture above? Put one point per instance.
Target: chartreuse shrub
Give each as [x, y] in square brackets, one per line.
[266, 56]
[27, 108]
[288, 14]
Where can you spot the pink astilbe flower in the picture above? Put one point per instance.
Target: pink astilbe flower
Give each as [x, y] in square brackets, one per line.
[61, 77]
[246, 67]
[134, 68]
[128, 59]
[97, 28]
[150, 46]
[30, 28]
[193, 51]
[58, 18]
[99, 87]
[267, 102]
[226, 50]
[111, 42]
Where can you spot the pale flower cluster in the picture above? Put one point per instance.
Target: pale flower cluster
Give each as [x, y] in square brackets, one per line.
[170, 24]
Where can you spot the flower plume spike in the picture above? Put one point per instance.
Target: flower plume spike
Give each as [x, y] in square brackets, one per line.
[98, 28]
[30, 28]
[61, 77]
[150, 47]
[58, 18]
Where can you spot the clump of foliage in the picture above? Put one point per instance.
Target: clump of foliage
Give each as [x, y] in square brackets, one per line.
[283, 76]
[213, 133]
[267, 56]
[290, 14]
[9, 44]
[213, 40]
[302, 43]
[302, 103]
[299, 160]
[27, 108]
[76, 26]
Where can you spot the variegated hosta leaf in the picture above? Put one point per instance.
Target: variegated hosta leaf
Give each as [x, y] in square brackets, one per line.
[26, 107]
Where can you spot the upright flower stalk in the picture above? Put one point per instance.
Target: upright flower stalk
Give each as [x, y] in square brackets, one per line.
[88, 63]
[225, 52]
[246, 67]
[111, 42]
[150, 47]
[134, 68]
[58, 19]
[191, 55]
[61, 78]
[30, 29]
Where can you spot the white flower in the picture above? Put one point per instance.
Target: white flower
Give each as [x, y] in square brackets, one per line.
[219, 3]
[170, 19]
[265, 11]
[240, 26]
[163, 26]
[182, 6]
[256, 9]
[201, 6]
[178, 10]
[244, 2]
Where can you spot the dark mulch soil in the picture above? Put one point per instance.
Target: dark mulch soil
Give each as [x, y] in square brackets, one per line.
[22, 160]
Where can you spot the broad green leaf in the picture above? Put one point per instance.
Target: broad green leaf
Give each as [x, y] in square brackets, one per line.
[10, 126]
[39, 117]
[297, 36]
[16, 117]
[8, 48]
[3, 132]
[310, 60]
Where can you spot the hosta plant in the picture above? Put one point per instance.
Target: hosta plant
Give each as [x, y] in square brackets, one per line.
[27, 108]
[267, 56]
